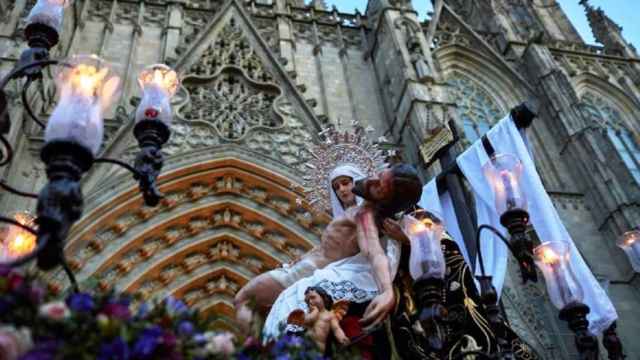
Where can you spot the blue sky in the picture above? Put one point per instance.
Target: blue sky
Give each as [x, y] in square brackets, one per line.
[624, 12]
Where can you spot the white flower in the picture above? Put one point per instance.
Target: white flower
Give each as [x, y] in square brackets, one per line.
[55, 310]
[14, 342]
[221, 343]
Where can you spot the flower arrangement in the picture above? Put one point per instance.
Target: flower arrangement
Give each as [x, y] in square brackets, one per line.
[37, 325]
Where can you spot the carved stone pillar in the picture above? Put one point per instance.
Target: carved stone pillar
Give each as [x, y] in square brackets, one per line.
[413, 93]
[172, 31]
[586, 151]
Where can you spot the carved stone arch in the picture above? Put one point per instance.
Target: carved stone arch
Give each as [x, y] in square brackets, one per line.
[481, 68]
[227, 215]
[480, 91]
[609, 94]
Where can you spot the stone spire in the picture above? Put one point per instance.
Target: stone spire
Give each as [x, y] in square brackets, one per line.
[606, 31]
[318, 4]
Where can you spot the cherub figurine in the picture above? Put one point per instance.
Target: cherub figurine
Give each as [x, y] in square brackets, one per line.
[323, 317]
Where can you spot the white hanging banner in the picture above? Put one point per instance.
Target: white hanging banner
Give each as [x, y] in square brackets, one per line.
[507, 139]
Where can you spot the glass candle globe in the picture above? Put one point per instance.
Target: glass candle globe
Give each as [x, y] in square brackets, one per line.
[48, 12]
[425, 231]
[86, 86]
[630, 243]
[159, 83]
[503, 171]
[19, 242]
[552, 258]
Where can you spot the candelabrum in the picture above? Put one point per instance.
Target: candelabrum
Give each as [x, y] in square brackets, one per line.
[427, 267]
[74, 132]
[504, 172]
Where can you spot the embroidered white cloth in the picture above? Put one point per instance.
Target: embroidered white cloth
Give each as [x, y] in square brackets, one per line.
[347, 279]
[507, 139]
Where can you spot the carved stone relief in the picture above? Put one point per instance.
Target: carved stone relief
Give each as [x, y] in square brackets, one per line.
[232, 105]
[231, 48]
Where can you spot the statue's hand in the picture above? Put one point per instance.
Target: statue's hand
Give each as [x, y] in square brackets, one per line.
[393, 229]
[343, 340]
[378, 310]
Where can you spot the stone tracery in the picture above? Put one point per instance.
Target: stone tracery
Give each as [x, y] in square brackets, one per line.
[477, 109]
[233, 105]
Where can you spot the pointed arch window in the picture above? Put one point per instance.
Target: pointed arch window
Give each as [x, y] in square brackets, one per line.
[622, 139]
[477, 110]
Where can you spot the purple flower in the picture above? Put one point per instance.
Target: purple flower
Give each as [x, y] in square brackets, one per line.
[6, 303]
[200, 338]
[185, 328]
[175, 306]
[117, 310]
[81, 302]
[283, 357]
[44, 350]
[36, 293]
[4, 270]
[295, 341]
[116, 350]
[148, 342]
[169, 340]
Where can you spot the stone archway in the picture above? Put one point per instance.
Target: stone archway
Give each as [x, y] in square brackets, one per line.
[221, 223]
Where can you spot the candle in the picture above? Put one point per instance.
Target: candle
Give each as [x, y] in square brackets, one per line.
[508, 183]
[552, 258]
[87, 86]
[49, 13]
[424, 233]
[630, 243]
[503, 172]
[159, 83]
[19, 242]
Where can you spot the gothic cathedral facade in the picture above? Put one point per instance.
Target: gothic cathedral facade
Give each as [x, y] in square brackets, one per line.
[262, 77]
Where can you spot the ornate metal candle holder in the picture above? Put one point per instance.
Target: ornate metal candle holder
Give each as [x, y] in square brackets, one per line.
[73, 134]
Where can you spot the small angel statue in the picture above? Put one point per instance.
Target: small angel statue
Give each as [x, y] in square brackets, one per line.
[323, 317]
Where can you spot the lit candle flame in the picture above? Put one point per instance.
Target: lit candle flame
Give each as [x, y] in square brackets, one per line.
[161, 76]
[20, 242]
[87, 79]
[422, 226]
[630, 239]
[549, 256]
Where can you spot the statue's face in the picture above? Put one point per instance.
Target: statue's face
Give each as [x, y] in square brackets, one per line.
[342, 186]
[313, 299]
[378, 188]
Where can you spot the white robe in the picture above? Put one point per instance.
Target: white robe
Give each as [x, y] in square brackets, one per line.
[349, 279]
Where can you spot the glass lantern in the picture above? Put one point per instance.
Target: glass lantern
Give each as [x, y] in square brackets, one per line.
[159, 83]
[49, 13]
[86, 86]
[425, 230]
[504, 171]
[552, 258]
[630, 243]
